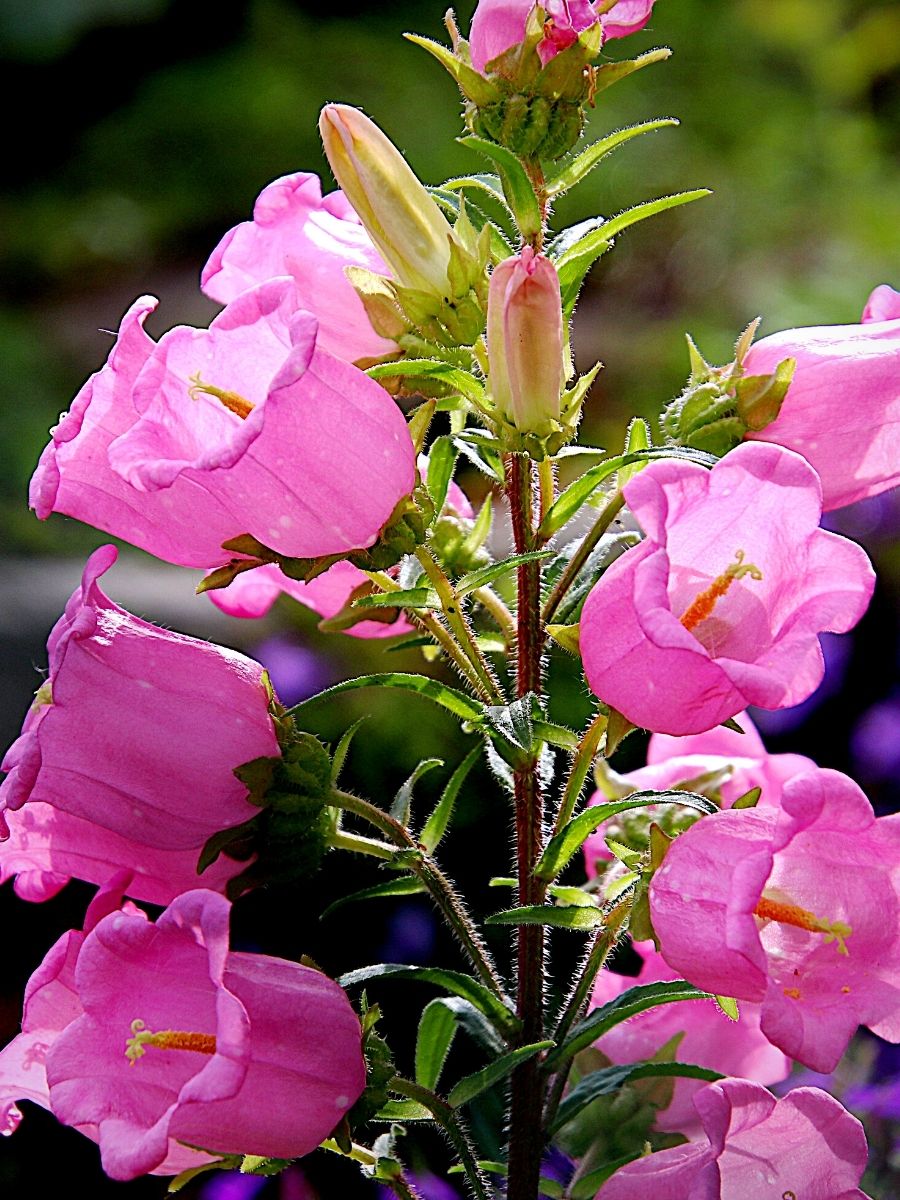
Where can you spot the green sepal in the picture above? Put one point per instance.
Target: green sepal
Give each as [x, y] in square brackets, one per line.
[475, 87]
[749, 799]
[566, 636]
[380, 1069]
[612, 73]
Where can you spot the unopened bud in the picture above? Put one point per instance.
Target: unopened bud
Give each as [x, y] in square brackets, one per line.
[525, 342]
[399, 215]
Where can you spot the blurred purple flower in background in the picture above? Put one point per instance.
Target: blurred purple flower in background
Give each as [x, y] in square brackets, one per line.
[296, 671]
[410, 935]
[428, 1186]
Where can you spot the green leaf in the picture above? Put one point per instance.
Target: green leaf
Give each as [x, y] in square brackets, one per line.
[343, 746]
[485, 458]
[403, 1110]
[474, 1023]
[574, 171]
[449, 201]
[418, 422]
[489, 574]
[565, 845]
[511, 727]
[437, 1029]
[450, 698]
[405, 885]
[478, 535]
[490, 184]
[473, 1085]
[454, 982]
[548, 914]
[749, 799]
[556, 735]
[732, 724]
[516, 185]
[610, 1079]
[626, 1005]
[575, 495]
[436, 826]
[417, 597]
[441, 461]
[575, 263]
[636, 439]
[432, 368]
[403, 800]
[728, 1006]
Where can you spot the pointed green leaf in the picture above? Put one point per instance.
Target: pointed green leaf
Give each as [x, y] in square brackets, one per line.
[473, 1085]
[731, 724]
[478, 535]
[418, 422]
[490, 184]
[437, 1029]
[474, 1023]
[418, 597]
[485, 458]
[610, 1079]
[441, 461]
[575, 917]
[404, 885]
[749, 799]
[436, 826]
[454, 982]
[450, 698]
[432, 368]
[728, 1006]
[565, 845]
[611, 73]
[489, 574]
[403, 1110]
[556, 735]
[570, 501]
[626, 1005]
[575, 263]
[574, 171]
[403, 800]
[343, 746]
[516, 185]
[638, 438]
[475, 87]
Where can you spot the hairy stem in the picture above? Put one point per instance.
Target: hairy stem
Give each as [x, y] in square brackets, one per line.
[450, 1122]
[432, 626]
[575, 1005]
[441, 890]
[525, 1147]
[451, 605]
[607, 515]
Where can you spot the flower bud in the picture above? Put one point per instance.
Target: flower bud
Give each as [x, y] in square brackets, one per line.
[401, 218]
[525, 342]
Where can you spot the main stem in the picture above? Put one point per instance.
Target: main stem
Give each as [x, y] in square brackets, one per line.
[525, 1145]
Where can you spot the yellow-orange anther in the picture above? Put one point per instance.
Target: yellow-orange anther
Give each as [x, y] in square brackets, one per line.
[166, 1039]
[802, 918]
[233, 401]
[701, 608]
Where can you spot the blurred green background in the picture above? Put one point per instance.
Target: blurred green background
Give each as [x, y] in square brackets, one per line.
[138, 131]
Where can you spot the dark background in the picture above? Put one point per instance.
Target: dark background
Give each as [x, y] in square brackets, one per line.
[137, 131]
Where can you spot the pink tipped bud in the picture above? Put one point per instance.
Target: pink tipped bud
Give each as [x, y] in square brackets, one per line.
[525, 342]
[399, 215]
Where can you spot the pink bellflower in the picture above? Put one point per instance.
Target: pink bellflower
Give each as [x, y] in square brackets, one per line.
[805, 1146]
[497, 25]
[126, 759]
[720, 605]
[245, 428]
[842, 409]
[794, 908]
[299, 232]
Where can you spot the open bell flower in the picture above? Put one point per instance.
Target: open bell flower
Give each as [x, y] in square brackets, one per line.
[247, 427]
[805, 1146]
[161, 1039]
[497, 25]
[720, 605]
[708, 1038]
[299, 232]
[126, 759]
[794, 908]
[842, 409]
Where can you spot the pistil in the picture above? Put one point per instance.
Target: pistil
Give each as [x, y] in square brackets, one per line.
[233, 401]
[802, 918]
[701, 607]
[166, 1039]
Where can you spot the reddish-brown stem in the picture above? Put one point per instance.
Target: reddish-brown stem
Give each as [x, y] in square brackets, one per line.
[525, 1146]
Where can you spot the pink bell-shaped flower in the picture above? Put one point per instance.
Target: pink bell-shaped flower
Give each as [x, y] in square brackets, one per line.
[805, 1146]
[794, 908]
[842, 409]
[126, 759]
[245, 428]
[719, 607]
[299, 232]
